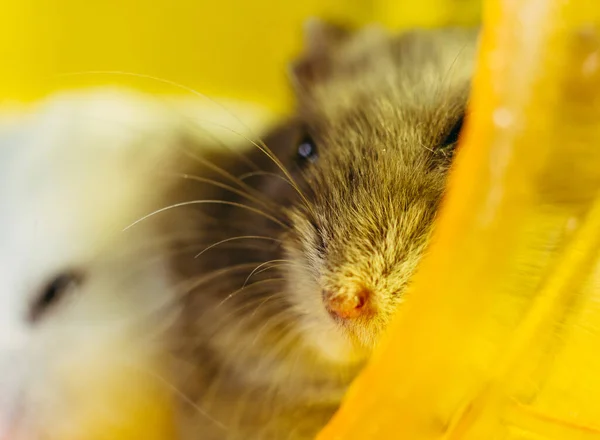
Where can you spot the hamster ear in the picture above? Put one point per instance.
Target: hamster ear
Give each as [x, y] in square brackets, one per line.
[321, 40]
[321, 37]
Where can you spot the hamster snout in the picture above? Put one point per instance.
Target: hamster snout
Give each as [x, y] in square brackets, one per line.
[356, 250]
[349, 303]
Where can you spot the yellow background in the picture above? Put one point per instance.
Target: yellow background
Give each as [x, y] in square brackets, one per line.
[229, 48]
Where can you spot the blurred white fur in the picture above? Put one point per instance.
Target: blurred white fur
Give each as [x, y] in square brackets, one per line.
[75, 170]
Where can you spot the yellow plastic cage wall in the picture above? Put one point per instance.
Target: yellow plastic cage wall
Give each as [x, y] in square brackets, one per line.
[229, 48]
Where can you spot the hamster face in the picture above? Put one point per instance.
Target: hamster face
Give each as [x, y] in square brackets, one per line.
[304, 252]
[380, 118]
[79, 296]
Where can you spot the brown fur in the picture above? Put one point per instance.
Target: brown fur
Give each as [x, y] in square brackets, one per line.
[274, 362]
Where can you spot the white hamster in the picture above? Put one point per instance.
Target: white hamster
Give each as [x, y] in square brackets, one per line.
[83, 298]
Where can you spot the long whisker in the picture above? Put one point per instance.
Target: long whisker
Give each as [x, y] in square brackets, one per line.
[194, 126]
[245, 176]
[231, 295]
[221, 171]
[262, 173]
[448, 72]
[264, 301]
[258, 267]
[172, 307]
[286, 340]
[247, 303]
[269, 153]
[187, 400]
[174, 252]
[158, 312]
[280, 317]
[244, 237]
[241, 193]
[153, 78]
[160, 80]
[274, 266]
[200, 202]
[270, 323]
[190, 284]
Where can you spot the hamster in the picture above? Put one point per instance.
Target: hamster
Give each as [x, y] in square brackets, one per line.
[84, 300]
[317, 239]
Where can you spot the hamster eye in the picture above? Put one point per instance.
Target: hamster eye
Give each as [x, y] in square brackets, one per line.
[53, 292]
[307, 150]
[454, 134]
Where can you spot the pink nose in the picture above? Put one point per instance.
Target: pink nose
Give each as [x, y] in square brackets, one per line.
[347, 305]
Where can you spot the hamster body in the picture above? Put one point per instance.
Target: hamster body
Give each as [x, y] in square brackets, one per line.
[83, 302]
[315, 246]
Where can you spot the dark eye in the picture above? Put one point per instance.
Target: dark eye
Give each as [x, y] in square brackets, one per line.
[307, 150]
[53, 292]
[454, 133]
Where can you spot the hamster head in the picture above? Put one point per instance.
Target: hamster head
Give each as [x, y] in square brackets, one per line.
[380, 116]
[79, 296]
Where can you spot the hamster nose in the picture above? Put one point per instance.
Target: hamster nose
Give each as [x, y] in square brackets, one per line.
[347, 305]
